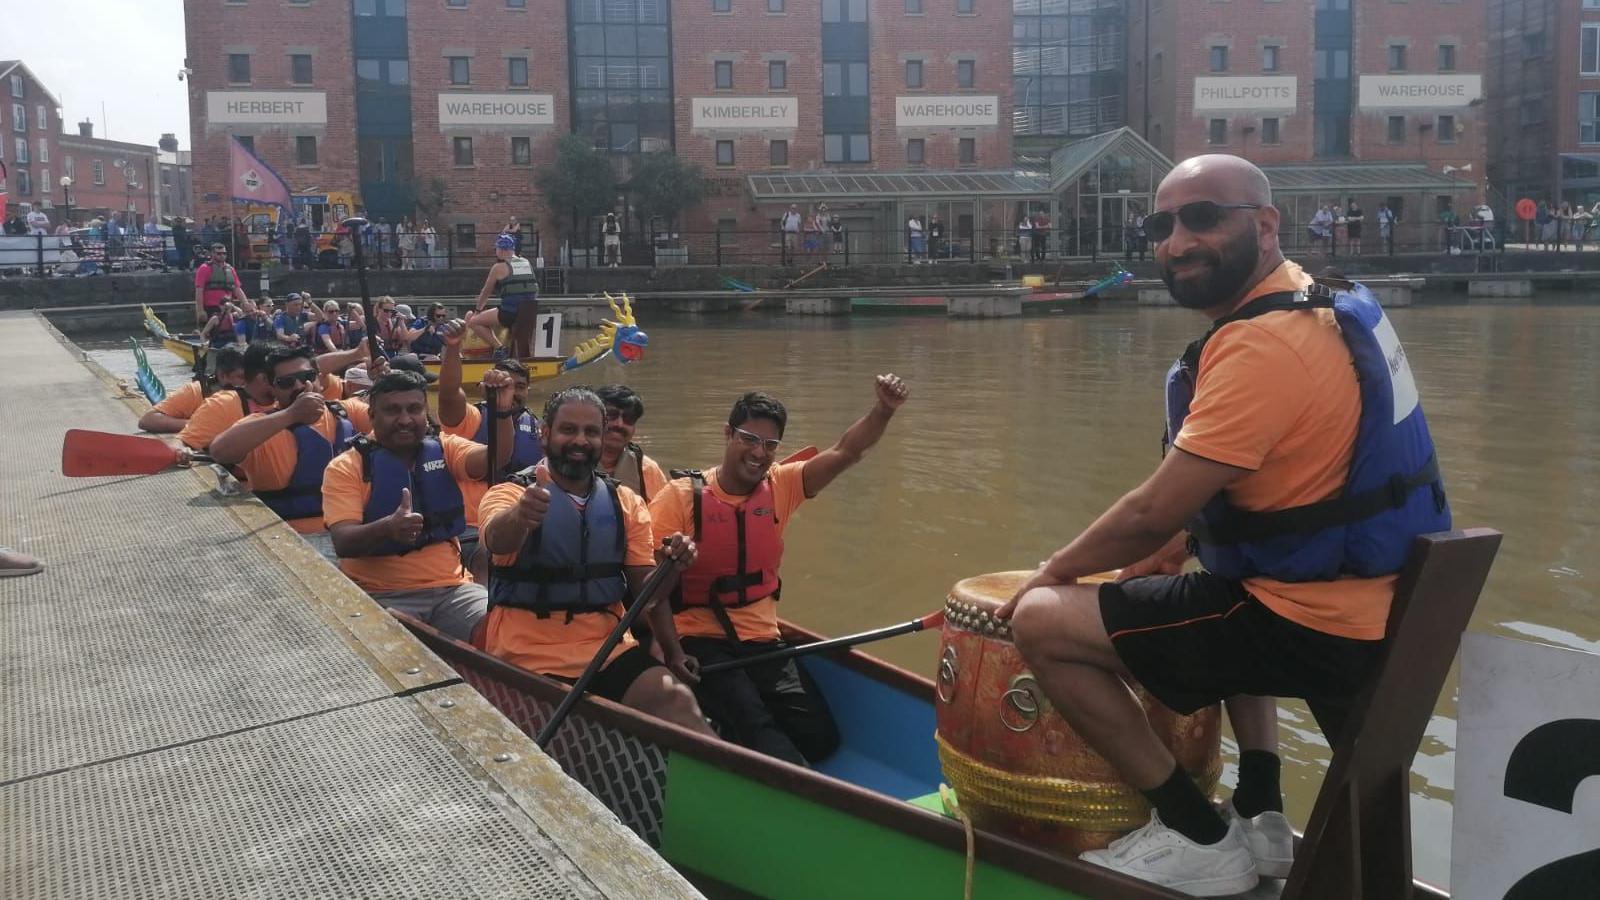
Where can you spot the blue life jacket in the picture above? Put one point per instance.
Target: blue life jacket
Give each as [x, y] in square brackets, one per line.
[301, 498]
[527, 450]
[573, 561]
[1393, 491]
[427, 342]
[434, 493]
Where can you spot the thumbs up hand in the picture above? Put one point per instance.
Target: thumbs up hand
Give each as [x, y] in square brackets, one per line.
[532, 507]
[405, 526]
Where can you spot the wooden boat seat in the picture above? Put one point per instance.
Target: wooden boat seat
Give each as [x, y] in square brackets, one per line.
[1357, 843]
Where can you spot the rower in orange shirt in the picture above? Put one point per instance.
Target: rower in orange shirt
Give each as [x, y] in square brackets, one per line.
[223, 409]
[569, 548]
[620, 457]
[727, 606]
[283, 453]
[394, 505]
[172, 414]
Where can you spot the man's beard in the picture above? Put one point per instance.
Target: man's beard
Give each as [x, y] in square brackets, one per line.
[575, 469]
[1227, 277]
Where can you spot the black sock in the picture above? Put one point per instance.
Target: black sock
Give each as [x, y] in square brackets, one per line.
[1258, 789]
[1186, 810]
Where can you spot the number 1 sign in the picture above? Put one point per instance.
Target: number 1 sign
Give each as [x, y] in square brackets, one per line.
[1527, 822]
[547, 336]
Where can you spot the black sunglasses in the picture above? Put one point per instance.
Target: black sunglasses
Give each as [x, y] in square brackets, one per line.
[1201, 215]
[284, 382]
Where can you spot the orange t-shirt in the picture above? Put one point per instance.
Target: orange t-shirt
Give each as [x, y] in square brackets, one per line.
[472, 493]
[1277, 395]
[673, 511]
[271, 464]
[182, 403]
[554, 646]
[217, 414]
[344, 499]
[332, 387]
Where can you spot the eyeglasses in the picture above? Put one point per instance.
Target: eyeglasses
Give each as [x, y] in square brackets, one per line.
[285, 382]
[1201, 215]
[613, 414]
[755, 440]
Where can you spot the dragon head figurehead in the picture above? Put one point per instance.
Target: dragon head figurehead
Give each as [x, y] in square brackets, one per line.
[620, 337]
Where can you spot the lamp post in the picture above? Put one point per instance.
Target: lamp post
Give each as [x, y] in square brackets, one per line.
[66, 200]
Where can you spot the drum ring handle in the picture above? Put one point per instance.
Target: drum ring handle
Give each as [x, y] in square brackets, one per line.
[1023, 698]
[948, 671]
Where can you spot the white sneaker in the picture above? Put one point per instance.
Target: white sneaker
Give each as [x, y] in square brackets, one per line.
[1270, 839]
[1158, 854]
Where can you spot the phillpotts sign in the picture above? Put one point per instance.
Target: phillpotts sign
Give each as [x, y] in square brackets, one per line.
[266, 108]
[1268, 92]
[961, 111]
[743, 113]
[496, 110]
[1419, 91]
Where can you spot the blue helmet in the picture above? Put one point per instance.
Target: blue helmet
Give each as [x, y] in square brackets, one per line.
[505, 242]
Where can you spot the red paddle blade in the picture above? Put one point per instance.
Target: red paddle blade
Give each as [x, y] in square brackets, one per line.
[800, 455]
[934, 619]
[88, 453]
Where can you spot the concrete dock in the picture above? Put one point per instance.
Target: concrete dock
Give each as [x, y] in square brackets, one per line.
[195, 705]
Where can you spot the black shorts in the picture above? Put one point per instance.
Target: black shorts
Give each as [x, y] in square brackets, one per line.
[615, 679]
[1195, 639]
[507, 319]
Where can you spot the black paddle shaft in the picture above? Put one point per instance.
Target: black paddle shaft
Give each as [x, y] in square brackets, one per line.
[580, 687]
[849, 640]
[354, 226]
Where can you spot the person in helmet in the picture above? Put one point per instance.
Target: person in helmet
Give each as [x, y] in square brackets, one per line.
[512, 279]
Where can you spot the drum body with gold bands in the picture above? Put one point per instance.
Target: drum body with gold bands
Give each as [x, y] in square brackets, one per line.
[1016, 766]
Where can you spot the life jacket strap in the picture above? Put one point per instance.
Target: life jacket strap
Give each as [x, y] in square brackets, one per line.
[1240, 526]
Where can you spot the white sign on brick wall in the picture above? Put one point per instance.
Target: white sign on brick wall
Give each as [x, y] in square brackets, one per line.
[959, 111]
[266, 108]
[496, 110]
[1251, 92]
[743, 113]
[1419, 91]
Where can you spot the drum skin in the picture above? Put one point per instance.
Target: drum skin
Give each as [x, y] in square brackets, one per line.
[1016, 766]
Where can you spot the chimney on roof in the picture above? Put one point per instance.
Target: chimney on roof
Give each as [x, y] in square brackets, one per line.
[86, 128]
[168, 142]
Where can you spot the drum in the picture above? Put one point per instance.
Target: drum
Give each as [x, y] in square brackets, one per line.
[1016, 766]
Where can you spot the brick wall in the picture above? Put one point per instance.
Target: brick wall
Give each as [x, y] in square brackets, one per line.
[270, 31]
[43, 160]
[117, 159]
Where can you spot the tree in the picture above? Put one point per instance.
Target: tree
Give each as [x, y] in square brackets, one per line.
[580, 181]
[664, 185]
[430, 198]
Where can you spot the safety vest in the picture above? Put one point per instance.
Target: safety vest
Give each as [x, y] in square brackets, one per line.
[434, 493]
[573, 562]
[630, 470]
[220, 277]
[739, 552]
[354, 336]
[225, 333]
[1392, 493]
[526, 451]
[301, 498]
[427, 342]
[520, 285]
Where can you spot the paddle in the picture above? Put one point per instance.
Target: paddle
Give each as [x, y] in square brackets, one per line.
[801, 455]
[354, 224]
[91, 453]
[647, 591]
[931, 620]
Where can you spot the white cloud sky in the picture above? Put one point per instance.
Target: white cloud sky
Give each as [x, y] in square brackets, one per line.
[123, 53]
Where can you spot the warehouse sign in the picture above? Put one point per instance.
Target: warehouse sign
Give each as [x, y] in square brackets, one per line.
[266, 108]
[744, 113]
[1419, 91]
[1265, 92]
[961, 111]
[496, 110]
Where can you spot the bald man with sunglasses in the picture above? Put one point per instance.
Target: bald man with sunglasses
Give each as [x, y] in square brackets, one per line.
[1280, 422]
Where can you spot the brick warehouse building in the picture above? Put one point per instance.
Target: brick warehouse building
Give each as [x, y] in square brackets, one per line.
[30, 123]
[402, 101]
[1372, 99]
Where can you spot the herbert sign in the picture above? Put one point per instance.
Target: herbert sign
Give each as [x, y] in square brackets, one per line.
[744, 113]
[1419, 91]
[1267, 92]
[961, 111]
[266, 108]
[495, 110]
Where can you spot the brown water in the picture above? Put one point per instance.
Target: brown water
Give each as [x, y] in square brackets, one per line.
[1020, 432]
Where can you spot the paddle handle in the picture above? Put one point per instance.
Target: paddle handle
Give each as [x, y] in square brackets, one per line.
[354, 225]
[931, 620]
[647, 591]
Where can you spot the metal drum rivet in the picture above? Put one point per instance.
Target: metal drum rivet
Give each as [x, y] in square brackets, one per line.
[503, 757]
[446, 704]
[355, 615]
[413, 670]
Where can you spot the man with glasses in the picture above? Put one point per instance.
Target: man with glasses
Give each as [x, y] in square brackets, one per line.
[214, 283]
[727, 603]
[283, 453]
[620, 457]
[1299, 469]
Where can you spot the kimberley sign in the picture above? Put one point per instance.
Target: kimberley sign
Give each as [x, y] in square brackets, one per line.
[960, 111]
[1265, 92]
[744, 113]
[491, 110]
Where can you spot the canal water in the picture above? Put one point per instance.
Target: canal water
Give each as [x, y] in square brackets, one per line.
[1019, 432]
